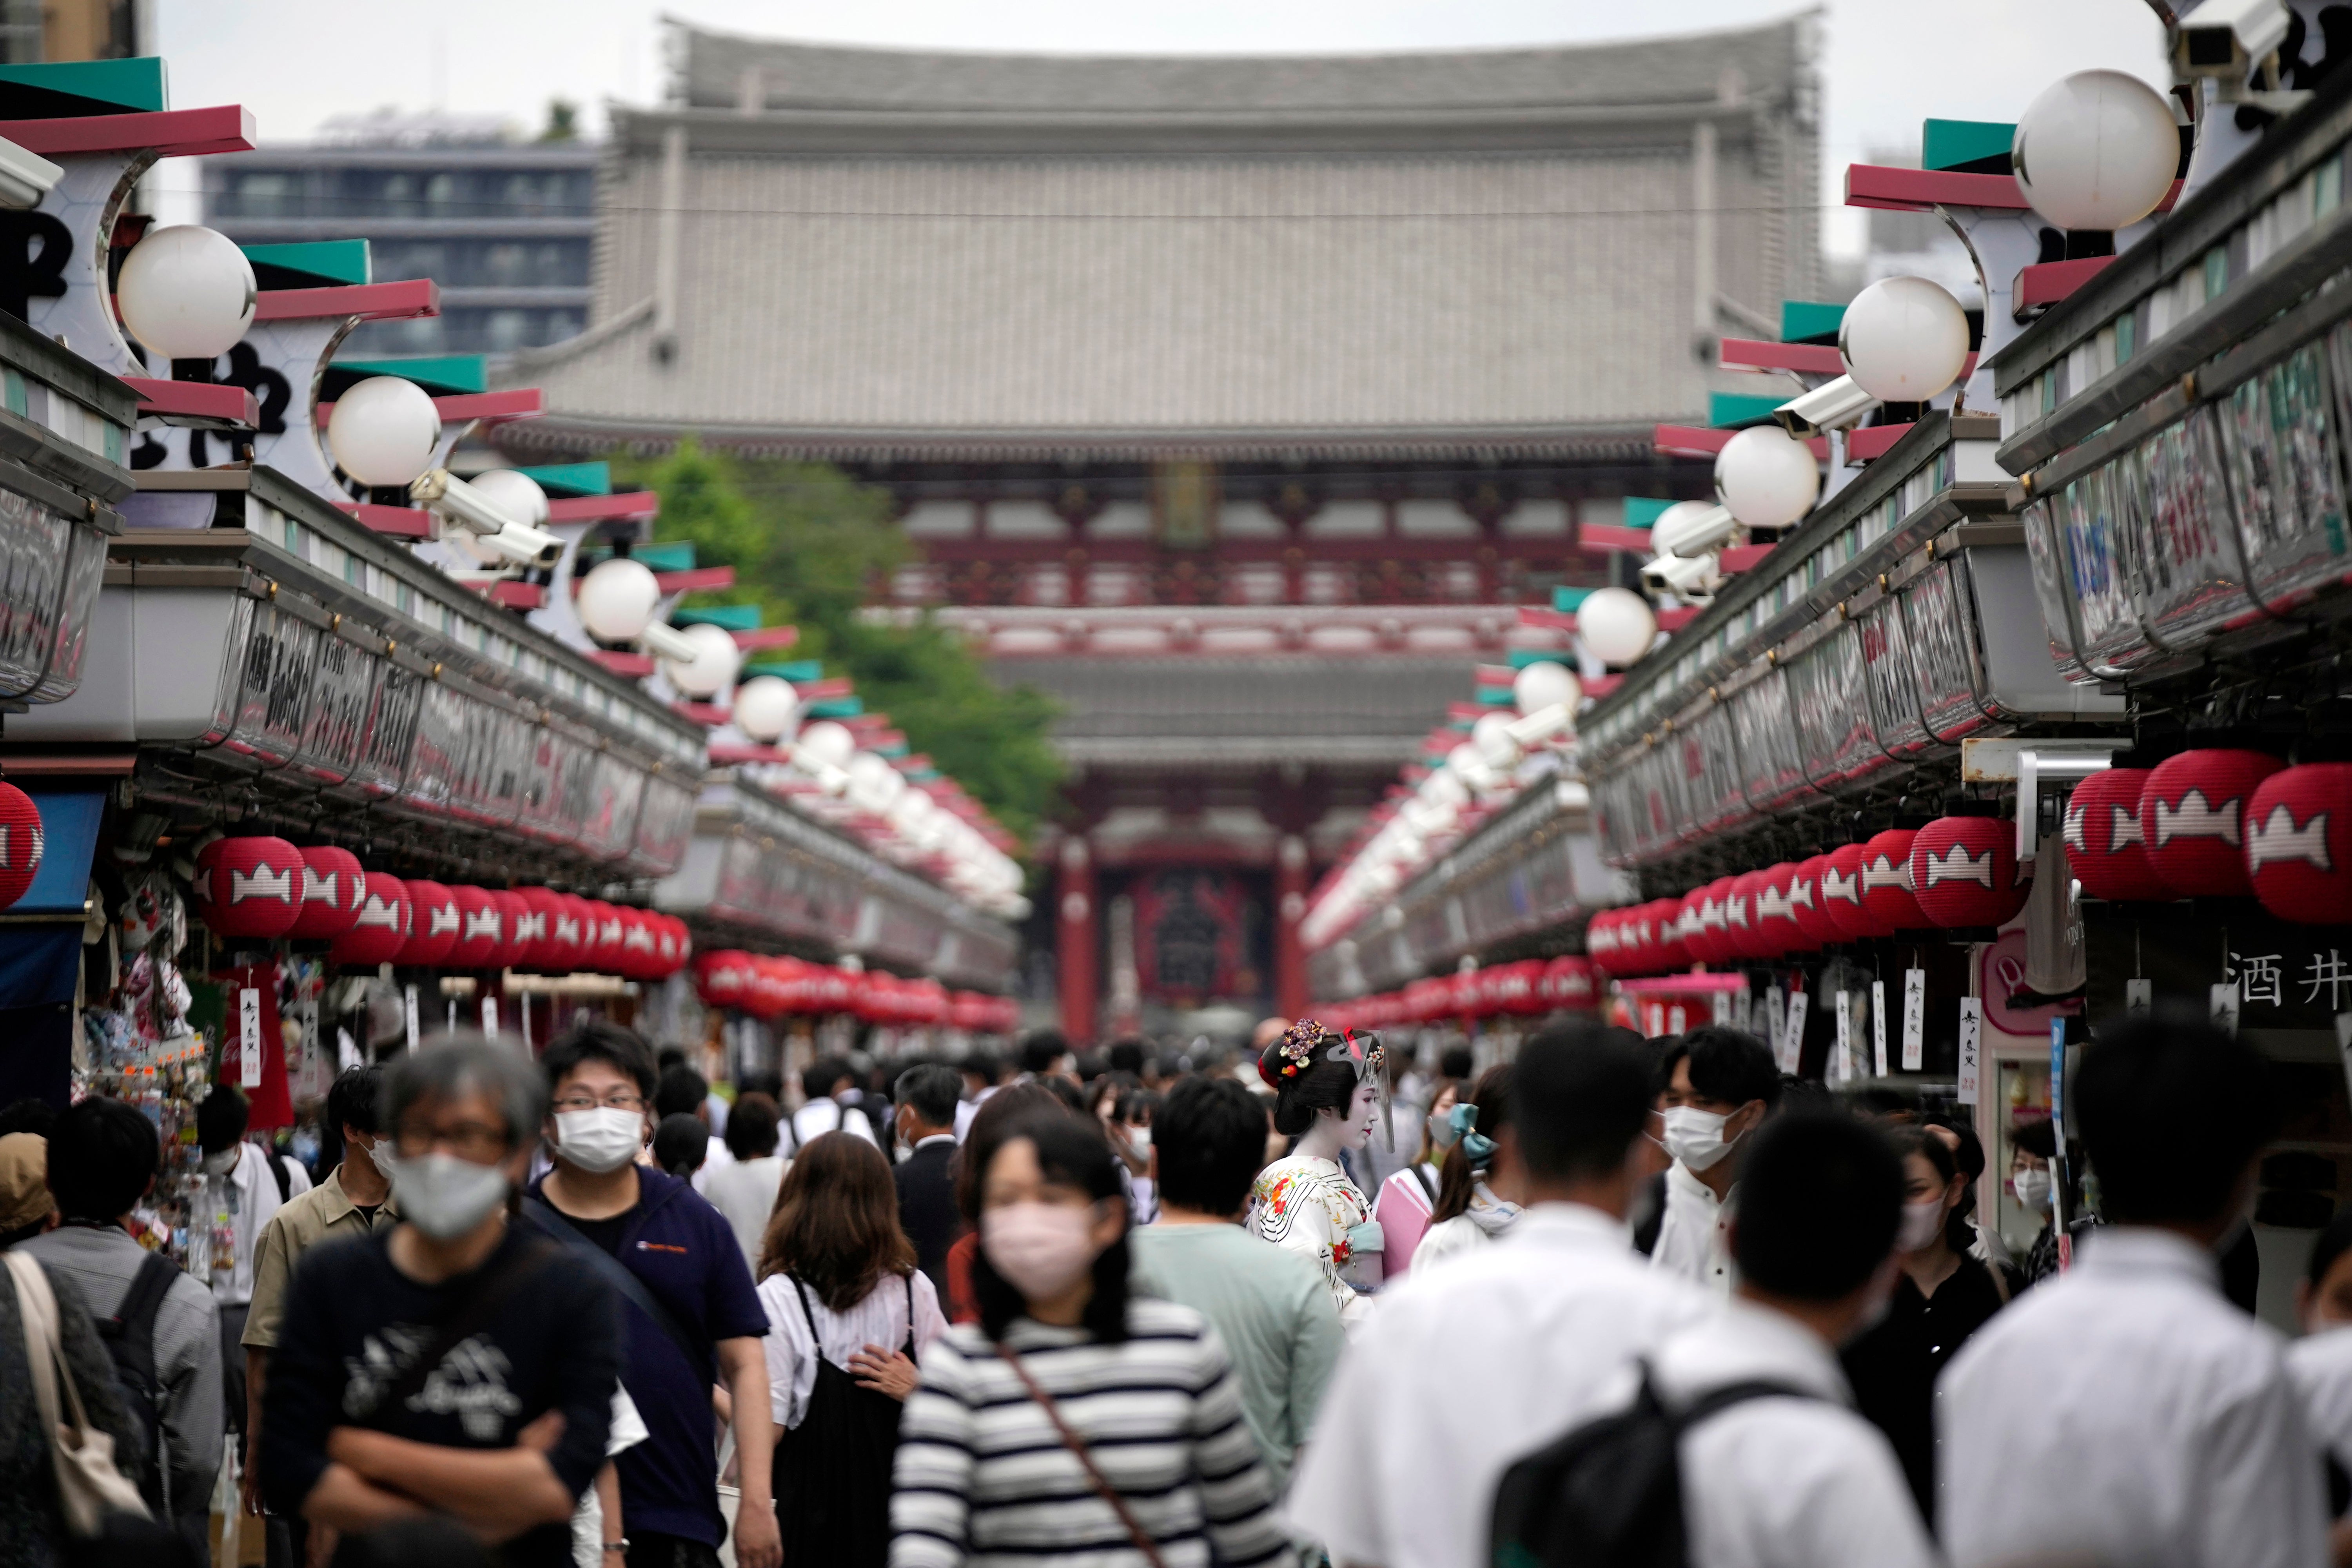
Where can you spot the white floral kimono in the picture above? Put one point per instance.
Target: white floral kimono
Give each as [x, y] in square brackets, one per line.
[1309, 1206]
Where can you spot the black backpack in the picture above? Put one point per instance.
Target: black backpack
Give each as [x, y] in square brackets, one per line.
[130, 1338]
[1610, 1493]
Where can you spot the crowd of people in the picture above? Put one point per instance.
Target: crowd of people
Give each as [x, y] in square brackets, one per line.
[1612, 1300]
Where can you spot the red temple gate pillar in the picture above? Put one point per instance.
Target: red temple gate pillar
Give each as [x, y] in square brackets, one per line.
[1289, 909]
[1075, 947]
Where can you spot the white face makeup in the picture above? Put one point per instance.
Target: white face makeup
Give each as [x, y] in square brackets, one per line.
[1362, 1115]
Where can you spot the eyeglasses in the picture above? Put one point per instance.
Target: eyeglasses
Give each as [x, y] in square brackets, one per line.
[619, 1100]
[483, 1142]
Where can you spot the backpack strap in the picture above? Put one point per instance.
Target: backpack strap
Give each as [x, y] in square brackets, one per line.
[622, 1278]
[278, 1169]
[1716, 1400]
[132, 1326]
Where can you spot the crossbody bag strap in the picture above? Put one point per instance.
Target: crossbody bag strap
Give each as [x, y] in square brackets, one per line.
[1077, 1447]
[622, 1278]
[909, 1350]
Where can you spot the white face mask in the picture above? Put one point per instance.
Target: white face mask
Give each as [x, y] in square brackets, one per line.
[365, 1152]
[222, 1163]
[445, 1196]
[601, 1140]
[2033, 1191]
[1696, 1137]
[1139, 1139]
[1921, 1223]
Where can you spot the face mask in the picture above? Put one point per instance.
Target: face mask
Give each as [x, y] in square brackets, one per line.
[367, 1153]
[222, 1163]
[1041, 1250]
[1694, 1137]
[1921, 1221]
[1140, 1139]
[443, 1196]
[1442, 1134]
[601, 1140]
[2033, 1191]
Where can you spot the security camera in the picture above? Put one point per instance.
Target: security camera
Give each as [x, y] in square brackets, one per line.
[1541, 725]
[2228, 37]
[453, 497]
[1691, 579]
[24, 177]
[1831, 405]
[1698, 531]
[664, 641]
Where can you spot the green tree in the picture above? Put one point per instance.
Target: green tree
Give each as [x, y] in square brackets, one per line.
[810, 546]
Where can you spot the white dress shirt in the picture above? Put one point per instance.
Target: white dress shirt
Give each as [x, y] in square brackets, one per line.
[879, 1320]
[2125, 1411]
[1695, 1237]
[1462, 1371]
[248, 1193]
[1784, 1483]
[2321, 1365]
[819, 1117]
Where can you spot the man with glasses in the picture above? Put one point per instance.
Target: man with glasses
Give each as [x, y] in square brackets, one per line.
[452, 1362]
[692, 1320]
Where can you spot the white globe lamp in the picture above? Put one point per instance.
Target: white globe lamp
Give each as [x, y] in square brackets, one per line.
[765, 706]
[1617, 625]
[616, 599]
[515, 494]
[1442, 788]
[1543, 685]
[873, 783]
[1492, 735]
[911, 812]
[384, 431]
[825, 744]
[712, 669]
[2097, 151]
[1766, 478]
[186, 292]
[1904, 340]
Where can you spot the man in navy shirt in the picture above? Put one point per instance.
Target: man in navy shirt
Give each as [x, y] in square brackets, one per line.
[691, 1317]
[451, 1363]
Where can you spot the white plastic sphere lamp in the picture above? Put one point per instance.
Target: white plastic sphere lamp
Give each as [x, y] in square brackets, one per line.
[1616, 626]
[712, 669]
[2097, 151]
[186, 292]
[514, 493]
[1442, 788]
[765, 706]
[616, 601]
[1904, 340]
[384, 431]
[874, 785]
[1545, 684]
[1766, 478]
[825, 744]
[1492, 735]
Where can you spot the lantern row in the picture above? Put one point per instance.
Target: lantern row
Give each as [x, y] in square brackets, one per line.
[770, 988]
[261, 889]
[1529, 987]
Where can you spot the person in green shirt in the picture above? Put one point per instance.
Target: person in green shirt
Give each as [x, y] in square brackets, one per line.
[1268, 1305]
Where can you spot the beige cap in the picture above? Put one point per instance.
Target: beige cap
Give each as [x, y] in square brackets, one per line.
[24, 1181]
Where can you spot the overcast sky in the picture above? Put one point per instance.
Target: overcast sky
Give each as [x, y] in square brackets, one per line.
[1887, 65]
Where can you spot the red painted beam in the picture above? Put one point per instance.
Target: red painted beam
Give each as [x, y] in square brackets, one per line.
[621, 662]
[1600, 686]
[517, 595]
[195, 400]
[1809, 359]
[725, 754]
[1675, 619]
[1916, 190]
[1741, 557]
[1546, 619]
[523, 403]
[172, 132]
[393, 521]
[1697, 441]
[702, 713]
[823, 690]
[630, 506]
[1607, 536]
[702, 579]
[768, 637]
[2045, 283]
[368, 301]
[1871, 441]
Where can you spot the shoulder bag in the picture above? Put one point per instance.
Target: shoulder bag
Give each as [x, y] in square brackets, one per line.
[88, 1486]
[1077, 1447]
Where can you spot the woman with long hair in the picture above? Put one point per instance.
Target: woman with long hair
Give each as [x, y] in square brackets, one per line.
[998, 1111]
[1327, 1095]
[1483, 1183]
[1074, 1423]
[1407, 1198]
[847, 1314]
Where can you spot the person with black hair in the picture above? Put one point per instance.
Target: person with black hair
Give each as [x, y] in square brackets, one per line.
[745, 1190]
[995, 1121]
[928, 1099]
[830, 1085]
[2125, 1411]
[1046, 1053]
[1076, 1423]
[1267, 1303]
[1483, 1186]
[2321, 1362]
[679, 1090]
[1794, 1478]
[102, 1161]
[1718, 1086]
[681, 1143]
[353, 1200]
[1326, 1093]
[2032, 1176]
[248, 1185]
[1406, 1199]
[1942, 1296]
[1467, 1368]
[1127, 1056]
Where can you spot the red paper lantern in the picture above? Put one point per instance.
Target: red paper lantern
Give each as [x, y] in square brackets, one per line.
[434, 924]
[669, 945]
[1886, 897]
[1965, 872]
[1601, 938]
[1570, 982]
[381, 929]
[550, 950]
[333, 885]
[1687, 942]
[1843, 909]
[2104, 848]
[1636, 941]
[2192, 813]
[640, 956]
[601, 952]
[1806, 906]
[1705, 942]
[2299, 844]
[253, 887]
[1742, 939]
[481, 929]
[775, 989]
[724, 979]
[572, 930]
[1666, 942]
[1775, 915]
[23, 841]
[520, 929]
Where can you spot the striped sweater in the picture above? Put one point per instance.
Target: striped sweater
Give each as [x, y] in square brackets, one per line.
[982, 1478]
